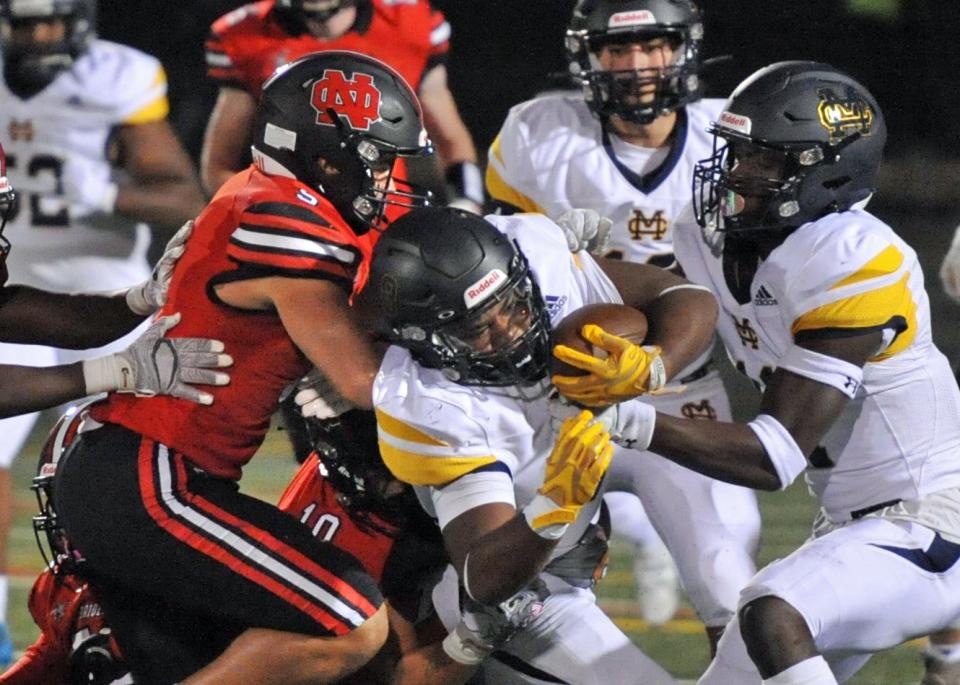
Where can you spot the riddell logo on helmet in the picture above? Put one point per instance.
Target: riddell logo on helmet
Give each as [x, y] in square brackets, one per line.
[357, 100]
[484, 288]
[736, 122]
[636, 18]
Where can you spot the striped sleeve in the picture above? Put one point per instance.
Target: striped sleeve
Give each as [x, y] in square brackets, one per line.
[292, 240]
[220, 65]
[415, 456]
[875, 296]
[439, 34]
[498, 183]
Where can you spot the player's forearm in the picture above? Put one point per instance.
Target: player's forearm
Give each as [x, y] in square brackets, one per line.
[25, 389]
[37, 317]
[729, 452]
[430, 665]
[683, 338]
[504, 561]
[169, 202]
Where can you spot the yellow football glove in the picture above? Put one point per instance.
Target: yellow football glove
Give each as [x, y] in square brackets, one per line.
[576, 466]
[628, 370]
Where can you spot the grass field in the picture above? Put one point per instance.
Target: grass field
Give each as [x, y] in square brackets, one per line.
[679, 645]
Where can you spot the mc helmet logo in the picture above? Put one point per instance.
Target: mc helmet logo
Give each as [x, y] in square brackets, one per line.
[357, 100]
[844, 115]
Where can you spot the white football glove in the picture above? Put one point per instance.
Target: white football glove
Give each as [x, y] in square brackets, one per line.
[950, 269]
[147, 297]
[630, 424]
[88, 193]
[483, 629]
[585, 229]
[155, 365]
[318, 398]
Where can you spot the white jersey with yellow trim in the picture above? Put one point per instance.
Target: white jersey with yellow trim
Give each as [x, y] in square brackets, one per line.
[434, 431]
[899, 437]
[552, 155]
[58, 140]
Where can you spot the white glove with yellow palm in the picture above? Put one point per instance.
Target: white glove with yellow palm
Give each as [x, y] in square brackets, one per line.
[577, 464]
[627, 371]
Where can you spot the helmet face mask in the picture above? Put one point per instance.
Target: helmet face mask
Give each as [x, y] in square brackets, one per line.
[637, 96]
[453, 290]
[796, 141]
[30, 65]
[338, 121]
[55, 548]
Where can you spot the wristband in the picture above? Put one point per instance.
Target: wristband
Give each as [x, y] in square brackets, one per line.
[658, 374]
[545, 518]
[463, 651]
[137, 302]
[106, 374]
[108, 201]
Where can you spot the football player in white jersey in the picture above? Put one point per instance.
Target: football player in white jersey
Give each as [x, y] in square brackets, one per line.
[825, 306]
[76, 112]
[462, 407]
[626, 147]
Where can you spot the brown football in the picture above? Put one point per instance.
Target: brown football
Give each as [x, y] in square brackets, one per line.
[616, 319]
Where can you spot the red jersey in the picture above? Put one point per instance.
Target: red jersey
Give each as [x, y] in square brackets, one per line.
[256, 226]
[249, 43]
[399, 558]
[70, 619]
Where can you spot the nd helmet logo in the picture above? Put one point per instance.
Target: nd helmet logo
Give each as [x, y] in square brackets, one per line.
[356, 100]
[842, 116]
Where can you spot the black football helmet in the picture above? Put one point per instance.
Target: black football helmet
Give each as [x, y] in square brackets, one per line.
[350, 460]
[7, 196]
[597, 23]
[56, 550]
[436, 271]
[821, 135]
[355, 113]
[30, 66]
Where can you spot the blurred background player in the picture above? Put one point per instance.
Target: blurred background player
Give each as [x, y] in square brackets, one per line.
[247, 44]
[626, 146]
[76, 112]
[286, 242]
[461, 403]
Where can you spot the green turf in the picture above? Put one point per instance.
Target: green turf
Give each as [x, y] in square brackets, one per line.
[680, 645]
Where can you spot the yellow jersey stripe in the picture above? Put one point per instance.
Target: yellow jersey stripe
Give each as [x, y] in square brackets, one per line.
[405, 431]
[871, 309]
[421, 469]
[503, 191]
[884, 264]
[155, 111]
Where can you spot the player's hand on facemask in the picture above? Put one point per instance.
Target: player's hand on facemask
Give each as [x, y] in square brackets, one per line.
[147, 297]
[318, 398]
[585, 229]
[483, 629]
[950, 269]
[577, 464]
[627, 371]
[156, 365]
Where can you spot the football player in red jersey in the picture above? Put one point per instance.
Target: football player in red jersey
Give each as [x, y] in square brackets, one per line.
[75, 645]
[270, 271]
[346, 496]
[247, 44]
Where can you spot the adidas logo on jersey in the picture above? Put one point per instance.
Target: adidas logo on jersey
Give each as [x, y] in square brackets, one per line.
[764, 298]
[554, 304]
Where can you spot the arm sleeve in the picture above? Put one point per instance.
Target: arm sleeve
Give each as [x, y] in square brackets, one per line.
[471, 491]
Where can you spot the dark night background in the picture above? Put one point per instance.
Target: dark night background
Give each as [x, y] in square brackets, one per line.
[505, 51]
